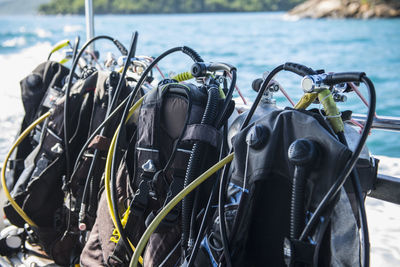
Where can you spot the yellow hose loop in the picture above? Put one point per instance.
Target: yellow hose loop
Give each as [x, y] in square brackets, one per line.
[107, 176]
[306, 100]
[184, 76]
[59, 45]
[64, 60]
[24, 134]
[160, 216]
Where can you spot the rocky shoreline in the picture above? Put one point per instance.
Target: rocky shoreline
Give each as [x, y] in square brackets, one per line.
[362, 9]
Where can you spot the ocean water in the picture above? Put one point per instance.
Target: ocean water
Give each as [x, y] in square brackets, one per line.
[254, 43]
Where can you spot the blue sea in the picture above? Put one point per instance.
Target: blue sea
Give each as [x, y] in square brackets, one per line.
[253, 42]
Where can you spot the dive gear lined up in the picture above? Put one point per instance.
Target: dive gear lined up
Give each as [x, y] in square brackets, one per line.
[118, 151]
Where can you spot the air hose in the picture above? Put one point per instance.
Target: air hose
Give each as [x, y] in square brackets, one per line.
[90, 179]
[160, 216]
[123, 51]
[211, 200]
[195, 162]
[24, 134]
[193, 55]
[184, 76]
[115, 216]
[58, 46]
[66, 113]
[355, 180]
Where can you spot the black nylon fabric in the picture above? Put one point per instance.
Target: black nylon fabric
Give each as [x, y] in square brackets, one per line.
[258, 217]
[38, 189]
[160, 121]
[47, 75]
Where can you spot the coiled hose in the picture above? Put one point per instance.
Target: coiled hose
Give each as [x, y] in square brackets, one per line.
[195, 161]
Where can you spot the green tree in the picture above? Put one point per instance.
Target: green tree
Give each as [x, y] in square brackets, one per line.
[165, 6]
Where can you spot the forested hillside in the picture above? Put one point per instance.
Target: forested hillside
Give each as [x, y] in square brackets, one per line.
[165, 6]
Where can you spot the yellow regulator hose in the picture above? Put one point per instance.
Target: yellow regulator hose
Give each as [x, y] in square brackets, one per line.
[24, 134]
[107, 176]
[160, 216]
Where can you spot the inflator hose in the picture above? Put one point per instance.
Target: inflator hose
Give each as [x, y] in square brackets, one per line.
[195, 161]
[355, 180]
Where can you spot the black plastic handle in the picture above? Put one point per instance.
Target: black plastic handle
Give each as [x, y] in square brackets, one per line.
[343, 77]
[215, 66]
[200, 69]
[298, 69]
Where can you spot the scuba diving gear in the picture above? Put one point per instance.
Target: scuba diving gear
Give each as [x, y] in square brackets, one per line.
[55, 224]
[213, 247]
[105, 157]
[157, 220]
[113, 96]
[37, 100]
[145, 149]
[191, 53]
[40, 185]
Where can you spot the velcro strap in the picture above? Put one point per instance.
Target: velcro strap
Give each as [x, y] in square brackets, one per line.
[100, 142]
[202, 132]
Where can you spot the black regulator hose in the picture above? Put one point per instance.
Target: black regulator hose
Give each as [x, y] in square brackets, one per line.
[76, 58]
[355, 180]
[66, 123]
[211, 200]
[335, 188]
[193, 55]
[195, 161]
[66, 113]
[89, 179]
